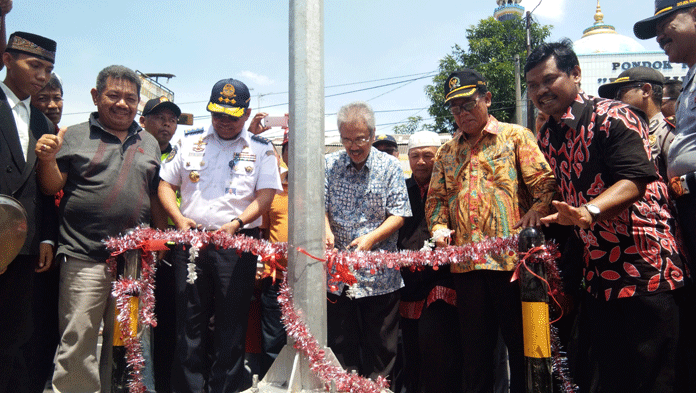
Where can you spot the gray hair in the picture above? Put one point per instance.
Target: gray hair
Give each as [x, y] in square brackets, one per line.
[358, 110]
[54, 83]
[117, 72]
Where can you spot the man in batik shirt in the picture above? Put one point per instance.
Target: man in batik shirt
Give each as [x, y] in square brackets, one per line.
[600, 153]
[366, 202]
[481, 186]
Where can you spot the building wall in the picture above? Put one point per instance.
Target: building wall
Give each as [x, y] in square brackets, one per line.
[606, 67]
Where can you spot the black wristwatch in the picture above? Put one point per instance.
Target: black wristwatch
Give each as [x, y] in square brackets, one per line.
[241, 223]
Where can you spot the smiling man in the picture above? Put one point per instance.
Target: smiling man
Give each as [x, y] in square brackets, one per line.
[366, 202]
[674, 26]
[228, 178]
[600, 154]
[108, 169]
[475, 191]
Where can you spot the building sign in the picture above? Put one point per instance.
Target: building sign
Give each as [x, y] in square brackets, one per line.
[604, 68]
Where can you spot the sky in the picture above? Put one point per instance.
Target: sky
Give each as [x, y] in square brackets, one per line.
[380, 51]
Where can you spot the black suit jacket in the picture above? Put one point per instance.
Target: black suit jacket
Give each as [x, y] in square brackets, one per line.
[18, 177]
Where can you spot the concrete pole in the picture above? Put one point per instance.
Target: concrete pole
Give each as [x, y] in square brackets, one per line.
[307, 277]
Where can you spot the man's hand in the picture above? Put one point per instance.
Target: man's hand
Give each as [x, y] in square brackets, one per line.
[531, 219]
[230, 227]
[46, 254]
[362, 243]
[49, 145]
[568, 215]
[5, 7]
[255, 126]
[185, 224]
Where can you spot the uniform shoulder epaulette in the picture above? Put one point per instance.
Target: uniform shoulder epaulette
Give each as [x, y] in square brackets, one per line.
[260, 139]
[194, 131]
[671, 121]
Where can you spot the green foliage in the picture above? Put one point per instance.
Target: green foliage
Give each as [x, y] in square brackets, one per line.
[492, 48]
[412, 125]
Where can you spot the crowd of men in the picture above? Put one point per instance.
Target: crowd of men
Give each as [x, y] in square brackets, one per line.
[619, 170]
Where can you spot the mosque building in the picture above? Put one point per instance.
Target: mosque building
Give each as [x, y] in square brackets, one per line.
[604, 54]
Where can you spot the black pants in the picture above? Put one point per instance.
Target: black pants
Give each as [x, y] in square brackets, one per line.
[212, 361]
[686, 211]
[164, 334]
[41, 349]
[432, 355]
[634, 343]
[15, 322]
[273, 337]
[363, 332]
[487, 303]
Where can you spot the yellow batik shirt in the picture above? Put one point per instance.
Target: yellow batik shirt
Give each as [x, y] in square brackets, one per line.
[481, 191]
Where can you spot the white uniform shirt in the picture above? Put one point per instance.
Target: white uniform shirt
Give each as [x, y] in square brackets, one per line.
[218, 178]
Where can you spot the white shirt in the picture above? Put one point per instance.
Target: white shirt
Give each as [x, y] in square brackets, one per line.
[21, 110]
[218, 178]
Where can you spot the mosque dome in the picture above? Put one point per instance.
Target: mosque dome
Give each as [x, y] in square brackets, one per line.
[603, 38]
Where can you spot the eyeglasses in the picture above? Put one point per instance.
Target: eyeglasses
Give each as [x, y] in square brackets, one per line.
[624, 89]
[360, 142]
[467, 106]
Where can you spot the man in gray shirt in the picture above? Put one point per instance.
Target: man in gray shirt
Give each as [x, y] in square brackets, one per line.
[108, 169]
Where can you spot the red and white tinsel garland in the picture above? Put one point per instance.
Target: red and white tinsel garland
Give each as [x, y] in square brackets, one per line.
[342, 263]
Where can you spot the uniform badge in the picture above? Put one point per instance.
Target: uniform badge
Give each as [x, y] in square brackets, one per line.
[194, 176]
[171, 154]
[227, 95]
[270, 153]
[454, 83]
[249, 169]
[652, 139]
[198, 146]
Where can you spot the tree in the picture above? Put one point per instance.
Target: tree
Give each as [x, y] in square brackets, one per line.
[492, 48]
[412, 125]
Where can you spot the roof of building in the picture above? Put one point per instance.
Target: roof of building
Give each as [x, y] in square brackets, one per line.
[603, 38]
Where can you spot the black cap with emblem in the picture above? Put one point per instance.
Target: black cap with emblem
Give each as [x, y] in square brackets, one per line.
[229, 96]
[631, 75]
[646, 28]
[463, 83]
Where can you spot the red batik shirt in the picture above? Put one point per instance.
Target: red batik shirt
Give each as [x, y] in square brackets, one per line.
[597, 143]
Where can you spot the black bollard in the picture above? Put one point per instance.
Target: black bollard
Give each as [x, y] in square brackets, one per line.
[128, 265]
[535, 317]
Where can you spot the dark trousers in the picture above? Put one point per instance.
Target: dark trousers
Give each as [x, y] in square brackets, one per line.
[40, 350]
[208, 361]
[15, 322]
[487, 303]
[432, 355]
[686, 213]
[363, 332]
[273, 337]
[634, 343]
[164, 334]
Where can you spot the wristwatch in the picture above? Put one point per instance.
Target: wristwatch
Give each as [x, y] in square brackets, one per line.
[593, 210]
[241, 223]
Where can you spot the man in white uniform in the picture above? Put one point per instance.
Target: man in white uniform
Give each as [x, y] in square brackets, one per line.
[227, 178]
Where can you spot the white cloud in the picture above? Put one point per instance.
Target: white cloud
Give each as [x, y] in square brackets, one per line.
[553, 10]
[258, 79]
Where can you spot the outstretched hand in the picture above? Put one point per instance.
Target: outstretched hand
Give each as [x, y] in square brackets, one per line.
[568, 215]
